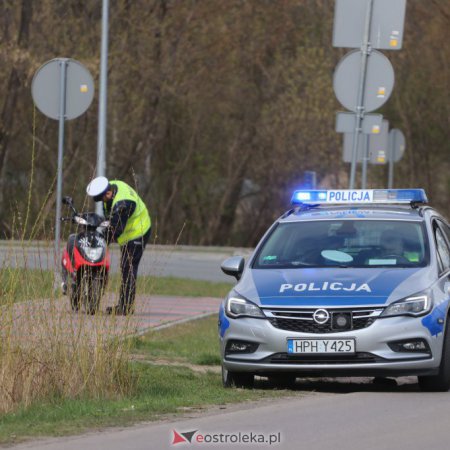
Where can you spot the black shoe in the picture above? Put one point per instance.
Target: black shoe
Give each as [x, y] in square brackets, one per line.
[119, 310]
[116, 310]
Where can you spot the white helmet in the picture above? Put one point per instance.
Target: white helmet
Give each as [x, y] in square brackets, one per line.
[97, 188]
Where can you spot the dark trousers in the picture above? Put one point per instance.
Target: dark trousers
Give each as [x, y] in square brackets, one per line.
[131, 254]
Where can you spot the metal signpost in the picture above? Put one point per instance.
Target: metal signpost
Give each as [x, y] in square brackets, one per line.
[101, 139]
[378, 149]
[370, 126]
[378, 81]
[386, 31]
[346, 122]
[348, 149]
[362, 154]
[62, 89]
[364, 79]
[378, 146]
[365, 160]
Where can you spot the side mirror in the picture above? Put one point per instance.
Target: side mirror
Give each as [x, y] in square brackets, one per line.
[67, 201]
[233, 266]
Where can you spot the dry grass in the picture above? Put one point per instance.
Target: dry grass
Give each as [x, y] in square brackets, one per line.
[48, 352]
[34, 373]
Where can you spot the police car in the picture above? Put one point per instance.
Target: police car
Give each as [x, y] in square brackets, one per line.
[346, 283]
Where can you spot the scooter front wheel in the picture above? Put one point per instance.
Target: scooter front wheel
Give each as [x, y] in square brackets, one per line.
[95, 294]
[75, 298]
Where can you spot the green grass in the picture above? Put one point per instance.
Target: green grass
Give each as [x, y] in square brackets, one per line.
[175, 286]
[195, 342]
[25, 284]
[159, 389]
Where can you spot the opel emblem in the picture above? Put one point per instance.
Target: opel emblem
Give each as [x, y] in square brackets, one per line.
[321, 316]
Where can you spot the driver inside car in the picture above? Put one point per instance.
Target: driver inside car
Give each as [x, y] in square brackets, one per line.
[392, 244]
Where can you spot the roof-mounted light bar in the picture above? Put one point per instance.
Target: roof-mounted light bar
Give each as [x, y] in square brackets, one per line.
[359, 196]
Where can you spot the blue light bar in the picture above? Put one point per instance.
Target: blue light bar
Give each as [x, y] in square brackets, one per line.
[359, 196]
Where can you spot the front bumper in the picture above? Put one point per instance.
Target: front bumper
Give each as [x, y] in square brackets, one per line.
[373, 355]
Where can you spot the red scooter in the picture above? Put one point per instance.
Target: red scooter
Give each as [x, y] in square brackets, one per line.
[85, 260]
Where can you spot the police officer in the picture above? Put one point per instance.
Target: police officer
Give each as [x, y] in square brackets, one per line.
[130, 227]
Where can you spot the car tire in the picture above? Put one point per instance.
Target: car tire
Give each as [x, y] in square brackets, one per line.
[441, 381]
[237, 379]
[285, 381]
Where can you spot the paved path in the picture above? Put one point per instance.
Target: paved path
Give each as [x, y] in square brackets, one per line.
[39, 320]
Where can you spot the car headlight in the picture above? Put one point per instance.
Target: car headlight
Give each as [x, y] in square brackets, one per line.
[411, 306]
[239, 307]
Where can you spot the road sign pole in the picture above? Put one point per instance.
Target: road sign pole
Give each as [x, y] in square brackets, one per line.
[391, 147]
[365, 52]
[62, 114]
[62, 89]
[365, 160]
[101, 141]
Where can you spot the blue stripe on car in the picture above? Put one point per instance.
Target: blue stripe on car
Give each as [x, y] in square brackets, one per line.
[431, 321]
[224, 323]
[351, 285]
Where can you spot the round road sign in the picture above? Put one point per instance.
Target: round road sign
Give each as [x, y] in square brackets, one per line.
[46, 88]
[379, 80]
[397, 144]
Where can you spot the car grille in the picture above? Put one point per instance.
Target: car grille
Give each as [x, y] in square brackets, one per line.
[357, 358]
[301, 320]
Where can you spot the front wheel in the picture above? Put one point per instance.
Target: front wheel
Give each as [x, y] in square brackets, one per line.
[75, 300]
[237, 379]
[94, 294]
[441, 381]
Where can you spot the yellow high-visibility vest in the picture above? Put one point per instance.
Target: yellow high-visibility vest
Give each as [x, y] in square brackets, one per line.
[139, 222]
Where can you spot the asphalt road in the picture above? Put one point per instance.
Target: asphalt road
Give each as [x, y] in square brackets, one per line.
[323, 415]
[199, 263]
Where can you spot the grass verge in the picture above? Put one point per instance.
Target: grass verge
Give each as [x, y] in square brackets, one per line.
[194, 342]
[24, 284]
[175, 286]
[159, 388]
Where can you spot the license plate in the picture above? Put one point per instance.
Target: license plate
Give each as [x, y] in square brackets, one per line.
[313, 346]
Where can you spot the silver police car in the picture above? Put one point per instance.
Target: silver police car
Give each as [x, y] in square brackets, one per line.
[346, 283]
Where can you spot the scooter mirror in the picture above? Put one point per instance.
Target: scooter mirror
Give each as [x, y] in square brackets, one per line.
[67, 201]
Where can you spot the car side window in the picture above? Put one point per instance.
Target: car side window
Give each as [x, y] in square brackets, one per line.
[446, 229]
[442, 248]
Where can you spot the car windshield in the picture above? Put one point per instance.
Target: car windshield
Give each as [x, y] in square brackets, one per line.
[344, 243]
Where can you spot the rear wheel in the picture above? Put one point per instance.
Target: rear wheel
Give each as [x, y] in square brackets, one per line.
[237, 379]
[441, 381]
